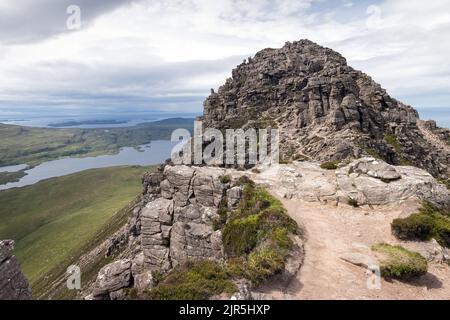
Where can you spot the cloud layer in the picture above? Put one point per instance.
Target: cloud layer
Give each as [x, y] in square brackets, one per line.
[167, 54]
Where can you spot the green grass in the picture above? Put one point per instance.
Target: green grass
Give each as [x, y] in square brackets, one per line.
[52, 285]
[257, 236]
[257, 239]
[258, 215]
[333, 165]
[397, 262]
[240, 236]
[6, 177]
[32, 146]
[392, 140]
[445, 182]
[428, 223]
[54, 218]
[225, 179]
[194, 281]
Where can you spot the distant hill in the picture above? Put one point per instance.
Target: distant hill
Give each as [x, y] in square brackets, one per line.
[54, 219]
[28, 145]
[86, 122]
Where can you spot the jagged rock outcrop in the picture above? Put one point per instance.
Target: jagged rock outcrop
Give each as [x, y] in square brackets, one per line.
[325, 110]
[178, 227]
[13, 284]
[173, 224]
[180, 206]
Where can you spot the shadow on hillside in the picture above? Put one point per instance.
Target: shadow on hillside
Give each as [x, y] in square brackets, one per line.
[429, 280]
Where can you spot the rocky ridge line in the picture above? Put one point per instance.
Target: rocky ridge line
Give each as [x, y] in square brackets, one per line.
[325, 109]
[175, 224]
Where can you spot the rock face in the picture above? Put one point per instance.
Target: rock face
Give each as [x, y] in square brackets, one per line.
[13, 284]
[366, 181]
[175, 221]
[383, 184]
[172, 225]
[178, 227]
[325, 110]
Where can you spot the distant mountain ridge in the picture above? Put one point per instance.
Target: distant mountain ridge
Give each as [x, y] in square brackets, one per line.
[325, 110]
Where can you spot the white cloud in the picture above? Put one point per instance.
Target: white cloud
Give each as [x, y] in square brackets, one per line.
[139, 52]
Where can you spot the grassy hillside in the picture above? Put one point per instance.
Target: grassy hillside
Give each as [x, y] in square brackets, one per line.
[27, 145]
[6, 177]
[55, 218]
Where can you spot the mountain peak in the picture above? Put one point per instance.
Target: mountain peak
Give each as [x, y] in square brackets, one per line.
[325, 109]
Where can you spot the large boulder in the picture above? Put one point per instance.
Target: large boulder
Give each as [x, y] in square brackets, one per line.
[375, 168]
[178, 184]
[111, 279]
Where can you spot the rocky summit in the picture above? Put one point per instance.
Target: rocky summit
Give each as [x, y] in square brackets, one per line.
[351, 154]
[325, 110]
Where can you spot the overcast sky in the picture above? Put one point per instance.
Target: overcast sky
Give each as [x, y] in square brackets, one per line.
[167, 54]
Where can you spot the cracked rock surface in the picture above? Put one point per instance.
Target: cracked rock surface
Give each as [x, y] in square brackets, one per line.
[325, 110]
[13, 284]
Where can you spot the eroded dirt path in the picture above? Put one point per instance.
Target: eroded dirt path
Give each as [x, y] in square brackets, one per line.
[333, 231]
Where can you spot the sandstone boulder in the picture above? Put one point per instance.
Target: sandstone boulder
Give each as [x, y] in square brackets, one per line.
[178, 184]
[413, 183]
[111, 279]
[374, 168]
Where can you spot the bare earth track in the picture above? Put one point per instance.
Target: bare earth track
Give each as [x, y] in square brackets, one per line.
[333, 231]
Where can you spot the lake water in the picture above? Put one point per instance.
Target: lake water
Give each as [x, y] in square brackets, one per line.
[13, 168]
[154, 153]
